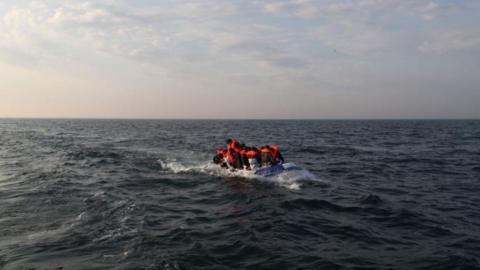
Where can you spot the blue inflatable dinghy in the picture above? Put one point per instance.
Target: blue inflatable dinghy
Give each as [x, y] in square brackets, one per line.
[276, 169]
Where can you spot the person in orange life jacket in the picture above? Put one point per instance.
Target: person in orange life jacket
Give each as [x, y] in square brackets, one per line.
[252, 156]
[236, 156]
[244, 159]
[233, 144]
[234, 159]
[270, 155]
[266, 157]
[220, 158]
[276, 155]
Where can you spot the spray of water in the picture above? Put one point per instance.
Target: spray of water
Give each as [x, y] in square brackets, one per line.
[288, 179]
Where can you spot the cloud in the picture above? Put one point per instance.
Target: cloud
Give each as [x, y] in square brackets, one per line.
[192, 32]
[362, 27]
[275, 7]
[347, 27]
[441, 43]
[265, 52]
[349, 38]
[189, 49]
[114, 28]
[429, 10]
[432, 10]
[311, 8]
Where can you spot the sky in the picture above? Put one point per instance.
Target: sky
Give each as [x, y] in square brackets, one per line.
[240, 59]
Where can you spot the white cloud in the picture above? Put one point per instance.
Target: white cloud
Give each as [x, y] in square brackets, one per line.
[111, 28]
[354, 39]
[429, 10]
[184, 30]
[441, 43]
[313, 8]
[360, 27]
[308, 46]
[347, 27]
[432, 10]
[275, 7]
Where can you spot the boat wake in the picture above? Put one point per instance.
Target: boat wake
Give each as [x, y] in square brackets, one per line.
[288, 179]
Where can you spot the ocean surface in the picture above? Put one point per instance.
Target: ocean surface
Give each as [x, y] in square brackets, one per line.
[144, 194]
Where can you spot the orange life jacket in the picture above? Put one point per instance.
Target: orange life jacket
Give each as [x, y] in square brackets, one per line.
[230, 157]
[222, 152]
[251, 153]
[265, 150]
[233, 145]
[274, 151]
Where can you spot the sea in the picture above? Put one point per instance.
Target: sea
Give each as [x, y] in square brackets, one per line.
[145, 194]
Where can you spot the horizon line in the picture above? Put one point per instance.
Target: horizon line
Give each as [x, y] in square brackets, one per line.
[238, 119]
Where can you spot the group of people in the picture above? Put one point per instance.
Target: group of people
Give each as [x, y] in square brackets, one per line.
[239, 156]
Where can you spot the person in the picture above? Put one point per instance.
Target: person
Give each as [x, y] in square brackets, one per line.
[220, 158]
[244, 158]
[266, 157]
[250, 157]
[233, 144]
[276, 155]
[234, 159]
[239, 156]
[253, 157]
[270, 155]
[234, 149]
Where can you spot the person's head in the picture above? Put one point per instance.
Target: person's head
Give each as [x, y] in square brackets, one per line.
[229, 141]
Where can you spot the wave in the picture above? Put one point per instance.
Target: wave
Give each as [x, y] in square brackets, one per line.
[317, 204]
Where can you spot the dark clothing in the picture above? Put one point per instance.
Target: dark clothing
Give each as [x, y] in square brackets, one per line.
[270, 156]
[218, 159]
[258, 158]
[266, 159]
[245, 162]
[279, 158]
[235, 160]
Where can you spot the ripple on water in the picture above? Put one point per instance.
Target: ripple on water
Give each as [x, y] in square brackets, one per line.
[143, 194]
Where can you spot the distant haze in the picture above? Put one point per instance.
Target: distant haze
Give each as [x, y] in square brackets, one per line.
[240, 59]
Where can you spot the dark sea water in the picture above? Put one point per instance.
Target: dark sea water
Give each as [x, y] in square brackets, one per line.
[143, 194]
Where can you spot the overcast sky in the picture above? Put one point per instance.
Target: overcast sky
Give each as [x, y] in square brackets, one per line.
[240, 59]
